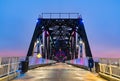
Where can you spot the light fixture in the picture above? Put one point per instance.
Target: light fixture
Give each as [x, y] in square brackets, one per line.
[39, 55]
[81, 42]
[37, 41]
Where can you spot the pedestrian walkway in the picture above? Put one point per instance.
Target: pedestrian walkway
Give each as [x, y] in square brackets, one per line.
[58, 72]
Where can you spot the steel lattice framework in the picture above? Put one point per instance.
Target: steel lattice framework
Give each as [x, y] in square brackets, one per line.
[59, 33]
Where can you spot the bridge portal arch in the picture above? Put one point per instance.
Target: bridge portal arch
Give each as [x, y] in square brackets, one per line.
[52, 33]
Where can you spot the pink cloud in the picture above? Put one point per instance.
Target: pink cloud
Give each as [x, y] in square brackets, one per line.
[106, 52]
[10, 53]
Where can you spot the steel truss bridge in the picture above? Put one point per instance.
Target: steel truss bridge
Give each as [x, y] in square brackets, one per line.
[54, 31]
[59, 30]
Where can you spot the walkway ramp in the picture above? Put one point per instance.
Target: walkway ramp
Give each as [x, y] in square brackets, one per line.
[58, 72]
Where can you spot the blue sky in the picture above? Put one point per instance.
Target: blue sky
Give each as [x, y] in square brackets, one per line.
[102, 23]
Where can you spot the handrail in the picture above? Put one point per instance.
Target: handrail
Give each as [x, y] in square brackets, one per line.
[8, 65]
[36, 61]
[109, 66]
[60, 15]
[110, 70]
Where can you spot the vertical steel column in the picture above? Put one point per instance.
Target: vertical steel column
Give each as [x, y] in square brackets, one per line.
[75, 46]
[76, 43]
[79, 51]
[50, 49]
[38, 46]
[72, 47]
[81, 48]
[45, 44]
[47, 47]
[76, 38]
[41, 49]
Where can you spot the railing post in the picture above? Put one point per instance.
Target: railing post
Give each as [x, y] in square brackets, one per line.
[110, 69]
[15, 64]
[0, 64]
[94, 69]
[0, 61]
[99, 64]
[100, 67]
[103, 67]
[8, 70]
[119, 62]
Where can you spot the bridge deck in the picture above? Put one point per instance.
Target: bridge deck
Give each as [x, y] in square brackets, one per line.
[58, 72]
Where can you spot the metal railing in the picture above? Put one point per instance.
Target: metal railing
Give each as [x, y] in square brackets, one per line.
[79, 61]
[36, 61]
[110, 66]
[60, 15]
[8, 65]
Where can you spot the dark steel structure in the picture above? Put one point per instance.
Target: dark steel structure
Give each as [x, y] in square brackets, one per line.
[59, 32]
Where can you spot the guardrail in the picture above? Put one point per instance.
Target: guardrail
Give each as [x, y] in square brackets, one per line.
[8, 65]
[60, 15]
[79, 61]
[110, 66]
[36, 61]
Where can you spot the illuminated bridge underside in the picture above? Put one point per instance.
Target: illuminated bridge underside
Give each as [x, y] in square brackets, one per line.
[59, 33]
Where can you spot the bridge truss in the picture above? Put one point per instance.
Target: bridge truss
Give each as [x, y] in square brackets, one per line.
[59, 30]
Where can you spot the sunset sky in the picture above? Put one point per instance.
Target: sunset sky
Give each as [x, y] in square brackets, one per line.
[101, 20]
